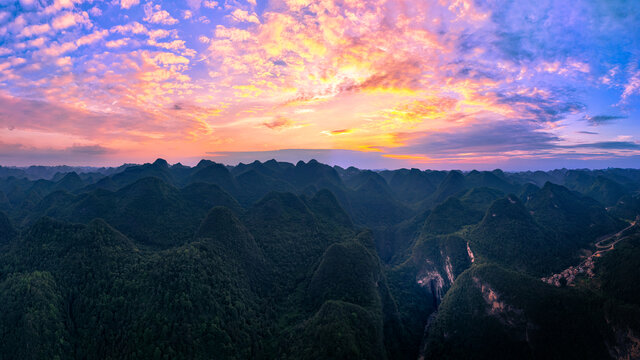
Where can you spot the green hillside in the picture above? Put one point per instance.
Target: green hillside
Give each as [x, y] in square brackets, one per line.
[274, 260]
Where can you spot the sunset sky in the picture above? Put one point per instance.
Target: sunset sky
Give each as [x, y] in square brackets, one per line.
[376, 84]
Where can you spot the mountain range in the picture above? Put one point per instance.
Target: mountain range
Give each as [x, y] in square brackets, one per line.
[274, 260]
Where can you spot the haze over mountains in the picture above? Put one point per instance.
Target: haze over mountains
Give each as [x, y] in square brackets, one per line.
[274, 260]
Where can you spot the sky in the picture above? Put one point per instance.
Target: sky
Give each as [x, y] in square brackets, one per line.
[430, 84]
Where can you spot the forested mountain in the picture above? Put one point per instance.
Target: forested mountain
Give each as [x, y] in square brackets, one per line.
[276, 260]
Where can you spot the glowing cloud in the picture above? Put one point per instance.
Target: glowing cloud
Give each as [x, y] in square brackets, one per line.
[127, 4]
[428, 83]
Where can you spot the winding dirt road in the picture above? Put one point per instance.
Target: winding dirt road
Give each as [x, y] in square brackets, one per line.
[609, 247]
[586, 266]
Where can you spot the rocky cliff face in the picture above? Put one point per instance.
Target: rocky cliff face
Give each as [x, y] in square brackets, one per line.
[438, 274]
[626, 345]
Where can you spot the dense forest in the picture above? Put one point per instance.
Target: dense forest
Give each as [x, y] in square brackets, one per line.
[273, 260]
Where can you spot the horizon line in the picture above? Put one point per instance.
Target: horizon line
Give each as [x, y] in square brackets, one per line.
[22, 167]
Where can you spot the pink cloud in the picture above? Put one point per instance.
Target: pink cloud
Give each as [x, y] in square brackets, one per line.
[117, 43]
[364, 70]
[64, 61]
[127, 4]
[35, 30]
[244, 16]
[155, 14]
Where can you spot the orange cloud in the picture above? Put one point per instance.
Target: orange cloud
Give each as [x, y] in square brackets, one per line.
[379, 73]
[279, 123]
[341, 131]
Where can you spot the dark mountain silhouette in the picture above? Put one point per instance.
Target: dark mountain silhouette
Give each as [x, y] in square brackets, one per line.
[215, 174]
[7, 231]
[450, 216]
[509, 235]
[411, 185]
